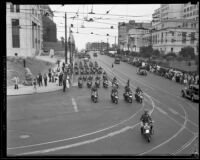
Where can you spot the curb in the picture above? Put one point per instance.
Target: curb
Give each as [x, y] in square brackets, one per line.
[37, 92]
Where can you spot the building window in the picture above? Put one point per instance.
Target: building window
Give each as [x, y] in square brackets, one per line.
[190, 14]
[15, 33]
[183, 37]
[172, 49]
[194, 13]
[184, 10]
[188, 9]
[11, 8]
[17, 8]
[192, 38]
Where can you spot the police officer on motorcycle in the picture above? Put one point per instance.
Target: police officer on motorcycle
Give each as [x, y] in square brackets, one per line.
[146, 118]
[138, 90]
[93, 90]
[113, 91]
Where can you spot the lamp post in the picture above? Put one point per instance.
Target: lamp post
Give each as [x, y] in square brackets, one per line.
[65, 38]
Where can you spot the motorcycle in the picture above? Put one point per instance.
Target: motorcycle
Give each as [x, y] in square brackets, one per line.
[94, 97]
[105, 83]
[115, 84]
[77, 72]
[128, 97]
[114, 97]
[84, 78]
[97, 83]
[139, 97]
[80, 84]
[146, 131]
[89, 84]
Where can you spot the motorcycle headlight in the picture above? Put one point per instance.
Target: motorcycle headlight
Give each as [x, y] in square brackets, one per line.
[147, 131]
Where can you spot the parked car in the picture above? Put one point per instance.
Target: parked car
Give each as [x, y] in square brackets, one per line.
[191, 92]
[142, 72]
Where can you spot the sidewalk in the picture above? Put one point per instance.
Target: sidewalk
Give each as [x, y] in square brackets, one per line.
[30, 90]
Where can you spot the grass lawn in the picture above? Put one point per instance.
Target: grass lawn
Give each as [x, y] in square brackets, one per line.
[15, 67]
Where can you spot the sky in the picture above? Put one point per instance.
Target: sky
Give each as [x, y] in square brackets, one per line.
[103, 21]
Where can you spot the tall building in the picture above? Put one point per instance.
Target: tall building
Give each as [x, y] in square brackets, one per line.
[23, 29]
[130, 35]
[174, 26]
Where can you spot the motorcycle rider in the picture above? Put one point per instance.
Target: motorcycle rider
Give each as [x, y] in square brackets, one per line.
[146, 118]
[93, 90]
[138, 90]
[114, 80]
[80, 80]
[113, 91]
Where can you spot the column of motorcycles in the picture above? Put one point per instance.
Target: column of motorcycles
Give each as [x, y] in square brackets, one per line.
[88, 71]
[86, 74]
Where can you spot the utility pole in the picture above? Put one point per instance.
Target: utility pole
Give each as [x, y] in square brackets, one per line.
[65, 38]
[115, 43]
[107, 45]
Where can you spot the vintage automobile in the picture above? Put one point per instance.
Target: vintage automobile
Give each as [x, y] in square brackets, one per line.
[191, 91]
[142, 72]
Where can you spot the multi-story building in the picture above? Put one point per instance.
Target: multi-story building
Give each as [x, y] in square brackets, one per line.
[130, 35]
[171, 11]
[172, 35]
[177, 27]
[191, 11]
[97, 46]
[156, 17]
[23, 29]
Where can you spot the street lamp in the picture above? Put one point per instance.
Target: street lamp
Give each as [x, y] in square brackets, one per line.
[107, 42]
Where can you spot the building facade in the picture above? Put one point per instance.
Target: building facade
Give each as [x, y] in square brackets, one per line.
[23, 30]
[97, 46]
[177, 27]
[130, 35]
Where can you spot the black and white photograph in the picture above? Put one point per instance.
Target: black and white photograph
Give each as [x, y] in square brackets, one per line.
[102, 79]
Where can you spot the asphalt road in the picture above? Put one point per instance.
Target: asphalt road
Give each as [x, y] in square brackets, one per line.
[69, 123]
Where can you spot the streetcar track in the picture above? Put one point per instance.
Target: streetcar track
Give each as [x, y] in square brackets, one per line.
[181, 129]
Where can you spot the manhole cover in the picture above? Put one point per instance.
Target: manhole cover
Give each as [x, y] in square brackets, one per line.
[24, 136]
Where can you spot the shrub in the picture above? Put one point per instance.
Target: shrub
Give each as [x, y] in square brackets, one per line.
[187, 52]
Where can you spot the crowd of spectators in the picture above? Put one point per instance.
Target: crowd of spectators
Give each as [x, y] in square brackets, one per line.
[175, 75]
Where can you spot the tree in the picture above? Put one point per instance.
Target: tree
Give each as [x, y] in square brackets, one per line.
[171, 54]
[187, 52]
[146, 51]
[156, 53]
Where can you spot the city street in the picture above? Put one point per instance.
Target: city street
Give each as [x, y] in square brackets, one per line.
[58, 123]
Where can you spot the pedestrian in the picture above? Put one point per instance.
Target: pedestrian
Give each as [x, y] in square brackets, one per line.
[49, 74]
[45, 79]
[60, 79]
[64, 82]
[24, 62]
[16, 81]
[40, 79]
[34, 85]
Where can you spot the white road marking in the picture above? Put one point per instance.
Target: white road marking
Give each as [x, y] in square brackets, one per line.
[83, 135]
[168, 106]
[83, 142]
[24, 136]
[173, 111]
[186, 144]
[74, 105]
[161, 110]
[180, 130]
[183, 126]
